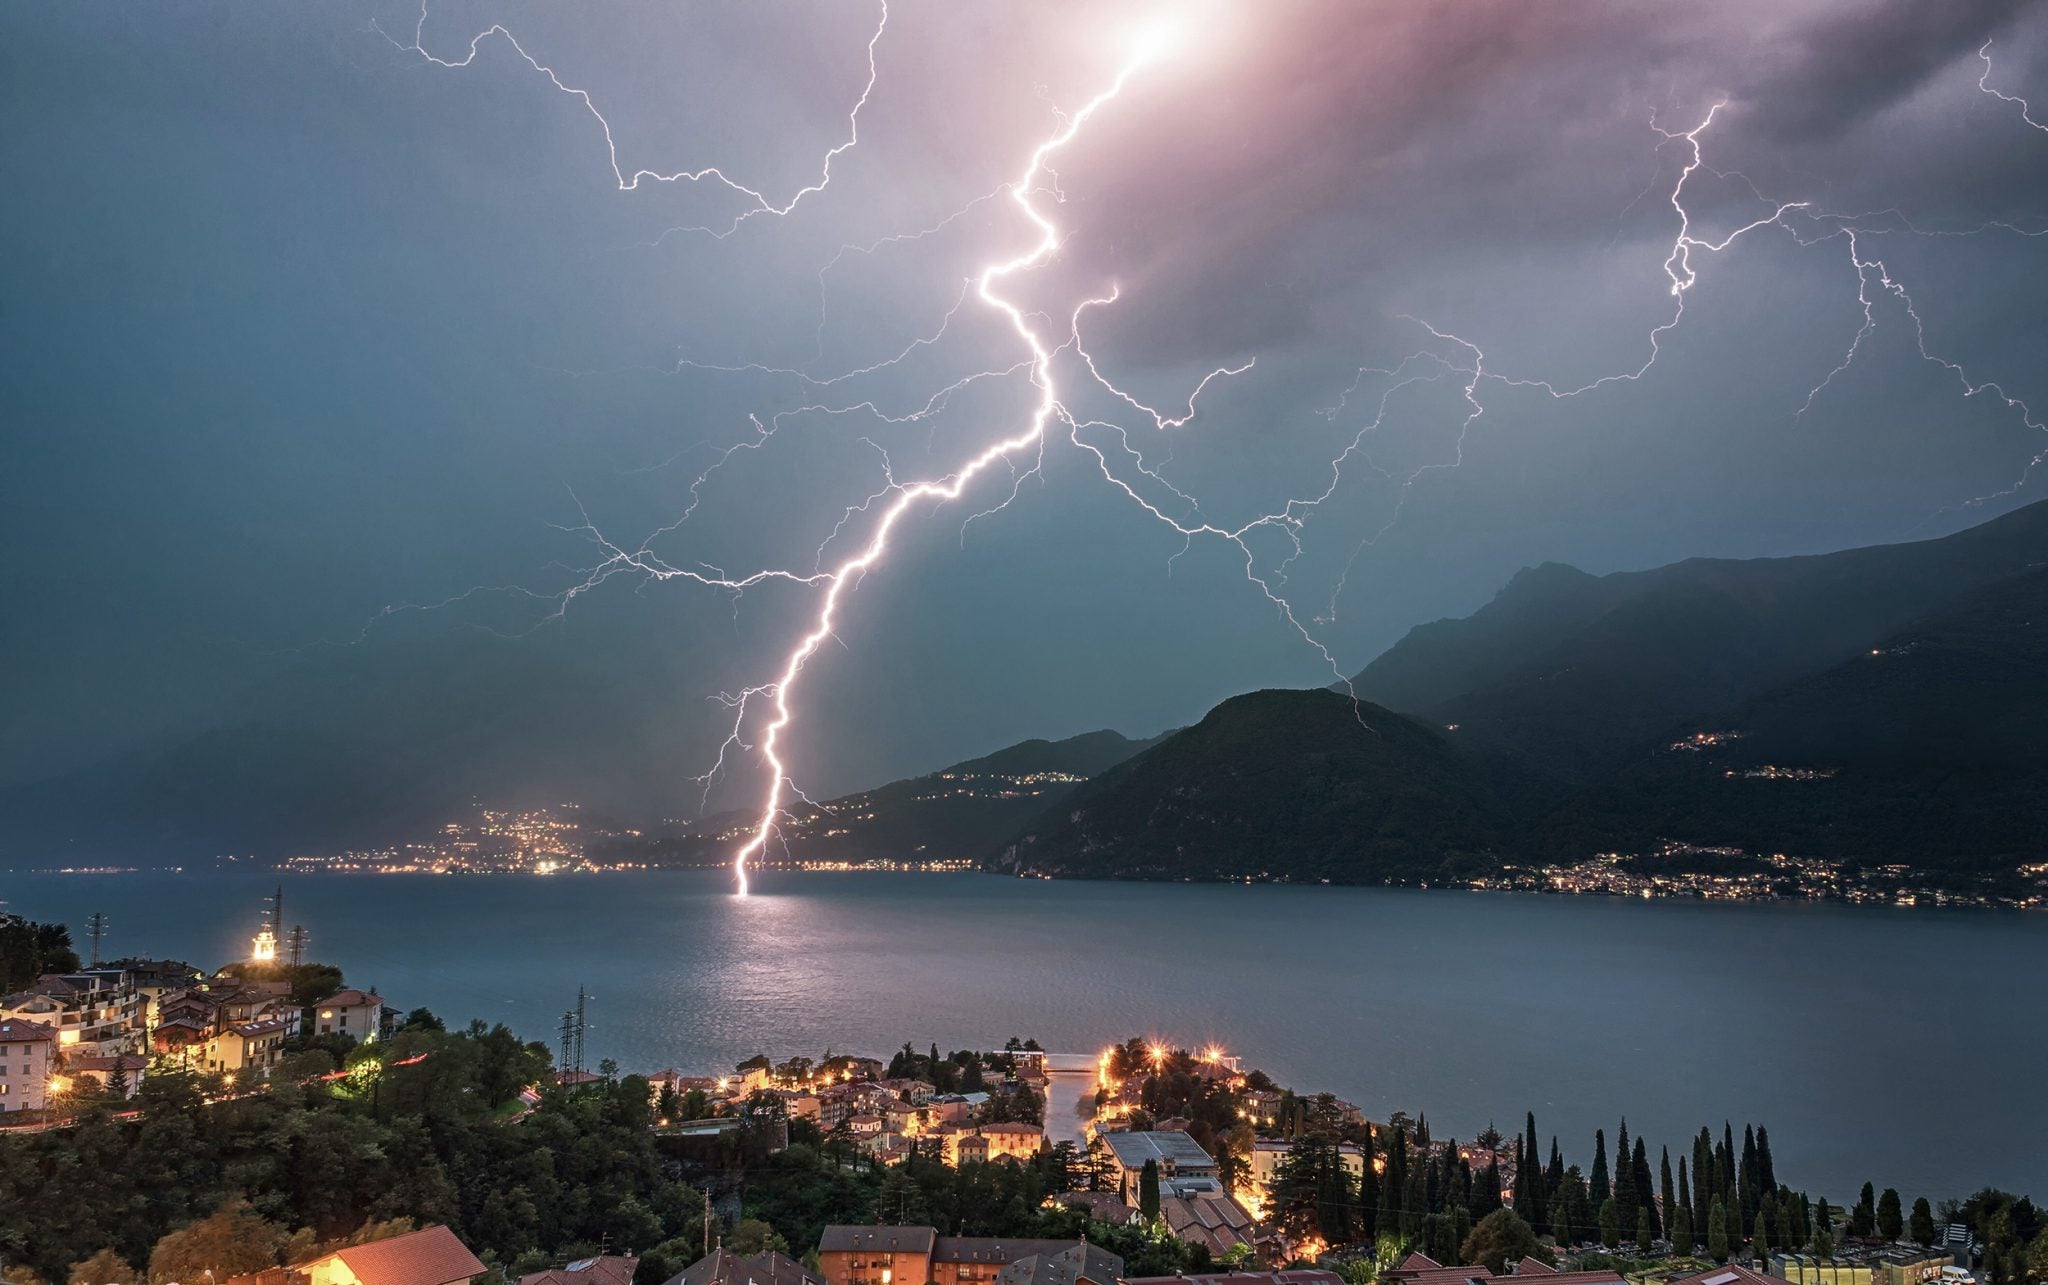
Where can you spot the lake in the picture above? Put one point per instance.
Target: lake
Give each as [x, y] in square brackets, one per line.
[1904, 1047]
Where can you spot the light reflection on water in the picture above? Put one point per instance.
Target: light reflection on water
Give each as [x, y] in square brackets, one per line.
[1900, 1047]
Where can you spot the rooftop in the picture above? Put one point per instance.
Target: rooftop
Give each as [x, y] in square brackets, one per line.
[429, 1256]
[1176, 1149]
[20, 1030]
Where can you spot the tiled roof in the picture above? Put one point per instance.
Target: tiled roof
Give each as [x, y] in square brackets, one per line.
[993, 1249]
[897, 1240]
[429, 1256]
[19, 1030]
[352, 999]
[723, 1267]
[610, 1269]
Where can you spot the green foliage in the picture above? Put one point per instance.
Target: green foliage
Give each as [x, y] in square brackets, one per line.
[103, 1268]
[1717, 1232]
[306, 1163]
[1148, 1191]
[29, 949]
[1500, 1238]
[1891, 1221]
[1922, 1225]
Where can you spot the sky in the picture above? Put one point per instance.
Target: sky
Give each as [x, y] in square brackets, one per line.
[335, 352]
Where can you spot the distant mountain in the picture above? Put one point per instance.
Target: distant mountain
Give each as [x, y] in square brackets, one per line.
[1875, 706]
[1580, 671]
[957, 813]
[1306, 784]
[1924, 749]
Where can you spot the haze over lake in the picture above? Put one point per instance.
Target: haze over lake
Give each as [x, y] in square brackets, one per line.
[1878, 1044]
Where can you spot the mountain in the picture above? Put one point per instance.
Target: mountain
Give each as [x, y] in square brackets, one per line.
[1874, 706]
[1305, 784]
[1579, 671]
[1922, 750]
[957, 813]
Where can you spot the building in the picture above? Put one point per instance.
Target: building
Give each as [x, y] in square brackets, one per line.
[28, 1060]
[1100, 1206]
[97, 1011]
[1863, 1265]
[919, 1256]
[357, 1014]
[1209, 1218]
[1082, 1264]
[429, 1256]
[1018, 1142]
[723, 1267]
[106, 1071]
[606, 1269]
[876, 1255]
[154, 979]
[222, 1025]
[1306, 1276]
[1175, 1155]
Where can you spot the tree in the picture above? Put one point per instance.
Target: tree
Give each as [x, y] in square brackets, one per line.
[1148, 1191]
[1681, 1230]
[1760, 1237]
[1500, 1238]
[1598, 1188]
[1644, 1239]
[1823, 1231]
[1863, 1218]
[1891, 1222]
[1923, 1222]
[753, 1236]
[103, 1268]
[231, 1242]
[1717, 1232]
[1610, 1223]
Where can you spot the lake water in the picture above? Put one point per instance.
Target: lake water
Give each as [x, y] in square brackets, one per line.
[1904, 1047]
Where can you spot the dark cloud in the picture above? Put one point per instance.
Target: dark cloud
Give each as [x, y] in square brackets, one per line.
[305, 327]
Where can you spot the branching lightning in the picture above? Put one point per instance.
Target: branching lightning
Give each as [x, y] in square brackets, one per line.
[764, 714]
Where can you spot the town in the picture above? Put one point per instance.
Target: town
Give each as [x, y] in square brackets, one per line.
[1015, 1165]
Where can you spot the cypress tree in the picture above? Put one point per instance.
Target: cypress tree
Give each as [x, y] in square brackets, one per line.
[1863, 1220]
[1369, 1199]
[1717, 1232]
[1891, 1221]
[1414, 1201]
[1684, 1190]
[1521, 1177]
[1148, 1191]
[1664, 1187]
[1923, 1222]
[1789, 1238]
[1553, 1175]
[1746, 1179]
[1823, 1230]
[1486, 1189]
[1681, 1230]
[1760, 1238]
[1598, 1189]
[1766, 1173]
[1610, 1224]
[1625, 1200]
[1644, 1237]
[1388, 1222]
[1539, 1192]
[1641, 1167]
[1702, 1180]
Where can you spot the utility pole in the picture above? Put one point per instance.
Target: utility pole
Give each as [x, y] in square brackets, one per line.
[297, 947]
[97, 928]
[568, 1032]
[707, 1220]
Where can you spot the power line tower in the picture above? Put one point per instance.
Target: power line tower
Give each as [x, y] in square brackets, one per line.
[96, 927]
[568, 1038]
[296, 944]
[581, 1026]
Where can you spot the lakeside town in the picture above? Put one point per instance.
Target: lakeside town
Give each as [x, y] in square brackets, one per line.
[558, 839]
[1151, 1161]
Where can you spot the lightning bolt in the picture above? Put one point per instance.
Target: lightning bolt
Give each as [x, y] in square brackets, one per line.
[758, 202]
[1984, 83]
[764, 714]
